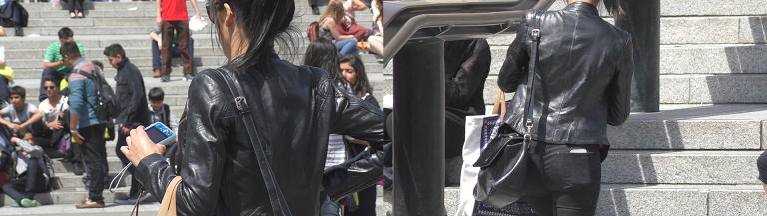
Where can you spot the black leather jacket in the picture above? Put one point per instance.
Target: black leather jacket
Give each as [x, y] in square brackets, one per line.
[300, 107]
[583, 77]
[131, 96]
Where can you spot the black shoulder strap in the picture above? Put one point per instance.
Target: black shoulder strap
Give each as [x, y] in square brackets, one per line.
[276, 197]
[534, 33]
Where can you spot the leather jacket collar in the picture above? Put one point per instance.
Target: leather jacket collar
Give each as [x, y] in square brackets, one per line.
[582, 7]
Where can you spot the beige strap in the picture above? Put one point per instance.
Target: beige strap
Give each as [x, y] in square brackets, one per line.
[499, 107]
[168, 205]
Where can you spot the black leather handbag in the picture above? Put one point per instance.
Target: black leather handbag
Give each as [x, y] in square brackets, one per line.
[276, 198]
[358, 173]
[506, 172]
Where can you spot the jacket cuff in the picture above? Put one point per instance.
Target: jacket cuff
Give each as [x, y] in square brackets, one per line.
[148, 166]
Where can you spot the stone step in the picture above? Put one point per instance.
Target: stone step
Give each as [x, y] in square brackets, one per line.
[13, 55]
[147, 5]
[681, 167]
[676, 127]
[100, 30]
[372, 72]
[72, 181]
[68, 196]
[98, 41]
[70, 210]
[138, 61]
[691, 127]
[690, 59]
[64, 167]
[684, 89]
[683, 200]
[697, 30]
[715, 167]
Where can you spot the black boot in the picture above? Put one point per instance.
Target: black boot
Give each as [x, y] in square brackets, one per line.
[19, 32]
[315, 10]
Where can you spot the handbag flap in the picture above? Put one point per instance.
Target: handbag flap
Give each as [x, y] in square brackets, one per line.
[494, 148]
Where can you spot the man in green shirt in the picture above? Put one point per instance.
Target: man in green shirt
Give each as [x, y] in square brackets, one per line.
[53, 67]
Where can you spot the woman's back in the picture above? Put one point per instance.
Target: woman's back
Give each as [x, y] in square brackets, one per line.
[582, 80]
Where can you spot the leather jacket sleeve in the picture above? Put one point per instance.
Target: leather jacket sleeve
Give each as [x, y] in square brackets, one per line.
[514, 68]
[619, 90]
[202, 166]
[471, 75]
[357, 118]
[131, 95]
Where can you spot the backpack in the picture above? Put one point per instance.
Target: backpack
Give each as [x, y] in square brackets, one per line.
[106, 107]
[313, 32]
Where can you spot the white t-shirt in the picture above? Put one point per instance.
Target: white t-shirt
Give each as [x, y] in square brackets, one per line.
[50, 112]
[19, 117]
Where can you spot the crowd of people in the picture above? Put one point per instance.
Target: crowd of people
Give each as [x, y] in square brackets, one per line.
[66, 124]
[339, 25]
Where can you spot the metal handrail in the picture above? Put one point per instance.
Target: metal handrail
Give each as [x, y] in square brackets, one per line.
[412, 20]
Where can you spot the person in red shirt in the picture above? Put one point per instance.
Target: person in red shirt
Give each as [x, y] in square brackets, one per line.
[172, 18]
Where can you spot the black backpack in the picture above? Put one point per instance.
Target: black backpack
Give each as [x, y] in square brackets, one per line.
[106, 107]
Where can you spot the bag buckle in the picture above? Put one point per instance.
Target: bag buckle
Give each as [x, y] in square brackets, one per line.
[535, 34]
[529, 127]
[241, 104]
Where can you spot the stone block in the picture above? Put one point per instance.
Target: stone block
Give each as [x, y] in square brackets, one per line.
[686, 134]
[687, 167]
[712, 8]
[737, 202]
[674, 89]
[727, 89]
[640, 202]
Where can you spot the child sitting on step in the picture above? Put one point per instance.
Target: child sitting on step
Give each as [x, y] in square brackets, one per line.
[30, 173]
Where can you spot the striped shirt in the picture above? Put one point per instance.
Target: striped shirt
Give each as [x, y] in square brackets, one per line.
[336, 150]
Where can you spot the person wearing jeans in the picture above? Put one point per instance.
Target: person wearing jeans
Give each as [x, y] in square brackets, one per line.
[86, 128]
[172, 17]
[347, 47]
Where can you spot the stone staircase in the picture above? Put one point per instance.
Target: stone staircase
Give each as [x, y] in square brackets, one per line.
[697, 156]
[127, 23]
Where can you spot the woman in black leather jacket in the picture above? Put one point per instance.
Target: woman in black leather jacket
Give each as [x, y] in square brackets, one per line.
[295, 108]
[582, 84]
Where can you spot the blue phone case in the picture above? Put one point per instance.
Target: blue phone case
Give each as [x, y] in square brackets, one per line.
[170, 136]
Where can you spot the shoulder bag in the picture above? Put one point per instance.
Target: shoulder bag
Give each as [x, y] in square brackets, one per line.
[504, 176]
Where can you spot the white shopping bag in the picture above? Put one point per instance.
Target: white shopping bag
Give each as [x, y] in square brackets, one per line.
[478, 129]
[196, 23]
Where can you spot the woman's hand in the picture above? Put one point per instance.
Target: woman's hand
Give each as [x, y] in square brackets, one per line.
[140, 146]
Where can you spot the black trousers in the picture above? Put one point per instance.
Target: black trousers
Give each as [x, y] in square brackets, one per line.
[134, 187]
[571, 177]
[28, 184]
[77, 5]
[94, 159]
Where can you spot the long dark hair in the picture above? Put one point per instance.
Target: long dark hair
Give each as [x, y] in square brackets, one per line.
[265, 22]
[361, 86]
[614, 7]
[322, 53]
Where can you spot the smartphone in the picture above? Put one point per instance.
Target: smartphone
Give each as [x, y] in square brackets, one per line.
[160, 134]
